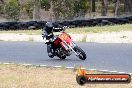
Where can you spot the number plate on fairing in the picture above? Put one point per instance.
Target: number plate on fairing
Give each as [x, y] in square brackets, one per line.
[64, 37]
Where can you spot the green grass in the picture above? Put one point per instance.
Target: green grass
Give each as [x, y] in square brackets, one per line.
[29, 32]
[96, 29]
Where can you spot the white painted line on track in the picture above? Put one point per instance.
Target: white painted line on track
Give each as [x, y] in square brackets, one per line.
[43, 65]
[6, 63]
[69, 67]
[92, 69]
[113, 71]
[122, 72]
[103, 70]
[27, 64]
[57, 66]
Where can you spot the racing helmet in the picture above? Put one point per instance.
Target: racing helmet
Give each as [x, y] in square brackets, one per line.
[49, 26]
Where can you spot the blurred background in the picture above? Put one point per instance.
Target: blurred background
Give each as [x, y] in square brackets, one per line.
[61, 10]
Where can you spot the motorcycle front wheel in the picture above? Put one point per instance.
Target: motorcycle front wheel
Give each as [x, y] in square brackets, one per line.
[80, 53]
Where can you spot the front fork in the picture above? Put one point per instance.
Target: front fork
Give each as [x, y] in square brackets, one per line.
[71, 48]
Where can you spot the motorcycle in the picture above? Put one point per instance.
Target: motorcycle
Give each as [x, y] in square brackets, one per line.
[64, 46]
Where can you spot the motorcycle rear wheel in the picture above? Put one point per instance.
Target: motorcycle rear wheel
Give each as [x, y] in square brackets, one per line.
[63, 57]
[80, 53]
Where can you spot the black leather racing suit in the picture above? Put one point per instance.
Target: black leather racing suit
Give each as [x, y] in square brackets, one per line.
[48, 36]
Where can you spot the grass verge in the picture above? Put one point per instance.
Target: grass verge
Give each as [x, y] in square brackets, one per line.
[19, 76]
[96, 29]
[28, 32]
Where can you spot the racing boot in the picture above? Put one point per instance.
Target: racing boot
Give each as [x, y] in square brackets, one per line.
[49, 50]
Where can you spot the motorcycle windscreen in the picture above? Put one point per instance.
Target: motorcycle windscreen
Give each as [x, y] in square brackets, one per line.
[65, 37]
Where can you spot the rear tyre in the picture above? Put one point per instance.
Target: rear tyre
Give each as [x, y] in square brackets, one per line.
[80, 53]
[51, 56]
[63, 57]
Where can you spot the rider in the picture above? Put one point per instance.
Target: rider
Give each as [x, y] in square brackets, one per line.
[48, 35]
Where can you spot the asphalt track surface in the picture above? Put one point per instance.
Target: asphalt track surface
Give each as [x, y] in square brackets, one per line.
[99, 56]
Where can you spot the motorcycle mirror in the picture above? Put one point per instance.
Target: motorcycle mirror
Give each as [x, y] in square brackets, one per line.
[65, 27]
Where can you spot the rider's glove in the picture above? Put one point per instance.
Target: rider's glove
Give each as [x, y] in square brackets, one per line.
[43, 36]
[46, 41]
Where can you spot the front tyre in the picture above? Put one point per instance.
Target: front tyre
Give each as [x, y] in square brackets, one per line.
[80, 53]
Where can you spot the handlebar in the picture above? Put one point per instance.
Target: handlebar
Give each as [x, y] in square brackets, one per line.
[64, 27]
[61, 28]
